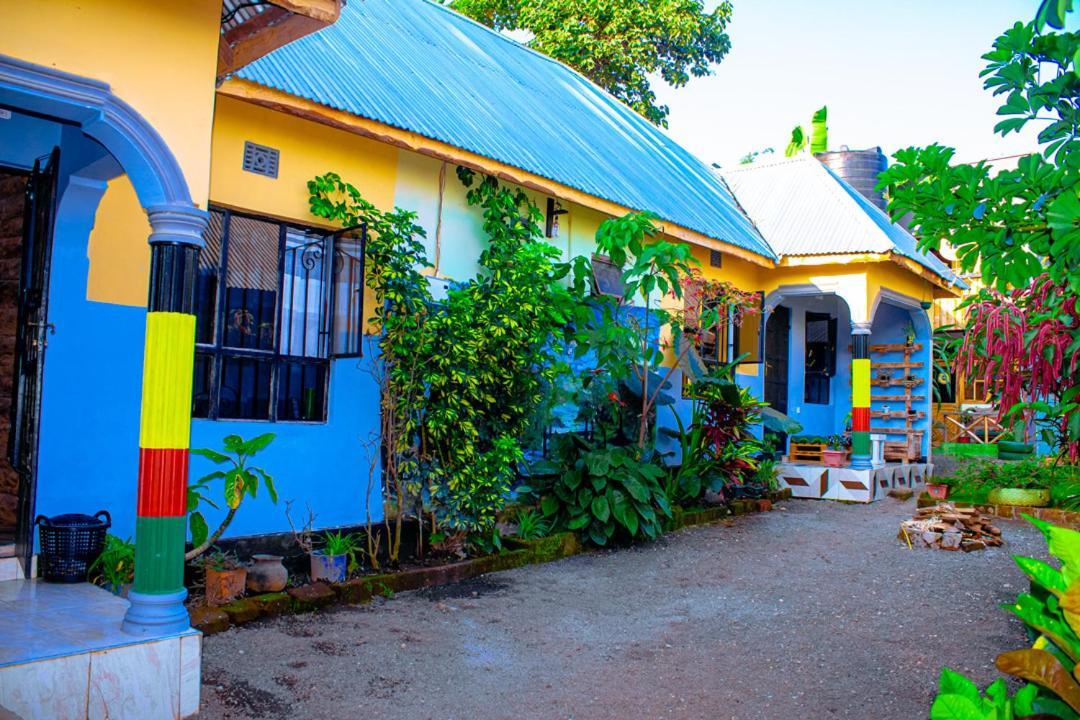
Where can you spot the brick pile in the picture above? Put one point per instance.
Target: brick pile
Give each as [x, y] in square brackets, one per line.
[947, 527]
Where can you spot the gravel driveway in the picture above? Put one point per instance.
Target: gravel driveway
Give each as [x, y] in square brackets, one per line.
[811, 611]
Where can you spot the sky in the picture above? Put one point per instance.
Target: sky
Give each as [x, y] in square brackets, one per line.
[893, 74]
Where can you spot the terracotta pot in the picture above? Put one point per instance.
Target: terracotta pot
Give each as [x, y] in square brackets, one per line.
[834, 458]
[329, 568]
[938, 491]
[224, 586]
[266, 574]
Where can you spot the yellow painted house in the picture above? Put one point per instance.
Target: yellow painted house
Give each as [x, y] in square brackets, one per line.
[173, 287]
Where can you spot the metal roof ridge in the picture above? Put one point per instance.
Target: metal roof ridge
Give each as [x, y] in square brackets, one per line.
[523, 46]
[766, 164]
[835, 185]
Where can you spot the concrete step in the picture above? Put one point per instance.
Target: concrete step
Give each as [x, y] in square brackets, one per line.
[10, 569]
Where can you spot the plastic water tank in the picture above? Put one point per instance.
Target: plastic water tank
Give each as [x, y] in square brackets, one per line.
[859, 168]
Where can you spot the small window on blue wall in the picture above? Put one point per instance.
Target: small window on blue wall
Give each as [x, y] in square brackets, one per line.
[820, 357]
[271, 312]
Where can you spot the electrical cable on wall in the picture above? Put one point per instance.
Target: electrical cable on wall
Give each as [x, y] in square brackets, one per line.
[438, 219]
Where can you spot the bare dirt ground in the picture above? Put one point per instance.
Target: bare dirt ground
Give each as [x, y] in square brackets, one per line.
[813, 611]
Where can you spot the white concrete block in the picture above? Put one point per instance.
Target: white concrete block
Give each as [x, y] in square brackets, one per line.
[190, 674]
[136, 682]
[47, 690]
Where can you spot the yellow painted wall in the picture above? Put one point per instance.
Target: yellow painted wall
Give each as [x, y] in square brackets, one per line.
[307, 149]
[892, 276]
[160, 57]
[118, 251]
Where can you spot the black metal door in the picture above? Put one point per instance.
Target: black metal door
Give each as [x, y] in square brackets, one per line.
[777, 333]
[41, 190]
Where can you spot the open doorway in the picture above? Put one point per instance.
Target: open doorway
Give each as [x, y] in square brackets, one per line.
[27, 212]
[777, 335]
[12, 208]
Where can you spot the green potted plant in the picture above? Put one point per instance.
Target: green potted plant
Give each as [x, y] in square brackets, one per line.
[240, 479]
[1022, 483]
[114, 568]
[225, 577]
[337, 557]
[835, 454]
[909, 334]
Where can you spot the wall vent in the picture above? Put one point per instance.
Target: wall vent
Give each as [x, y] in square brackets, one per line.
[260, 159]
[716, 258]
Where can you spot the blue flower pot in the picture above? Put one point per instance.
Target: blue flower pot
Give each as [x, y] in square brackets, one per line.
[329, 568]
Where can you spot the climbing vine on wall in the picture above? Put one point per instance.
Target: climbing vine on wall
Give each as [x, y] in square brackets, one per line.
[462, 376]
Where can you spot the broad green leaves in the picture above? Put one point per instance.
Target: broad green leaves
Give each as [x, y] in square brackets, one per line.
[819, 131]
[199, 529]
[1052, 13]
[239, 480]
[797, 143]
[1018, 227]
[959, 699]
[818, 140]
[460, 378]
[606, 493]
[1052, 609]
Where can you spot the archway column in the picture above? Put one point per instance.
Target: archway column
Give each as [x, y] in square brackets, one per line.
[860, 396]
[157, 596]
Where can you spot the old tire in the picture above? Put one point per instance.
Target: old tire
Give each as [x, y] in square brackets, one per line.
[1038, 497]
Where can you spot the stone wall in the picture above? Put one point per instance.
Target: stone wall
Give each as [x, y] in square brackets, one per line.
[12, 199]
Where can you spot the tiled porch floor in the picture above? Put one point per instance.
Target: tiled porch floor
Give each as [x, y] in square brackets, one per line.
[63, 655]
[40, 620]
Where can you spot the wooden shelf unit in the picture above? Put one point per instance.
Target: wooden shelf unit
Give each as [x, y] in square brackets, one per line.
[883, 375]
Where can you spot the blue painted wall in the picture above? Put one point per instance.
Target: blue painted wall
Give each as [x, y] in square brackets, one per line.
[324, 465]
[91, 399]
[23, 138]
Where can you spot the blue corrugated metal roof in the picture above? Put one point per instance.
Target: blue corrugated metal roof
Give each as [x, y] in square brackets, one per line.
[418, 66]
[803, 208]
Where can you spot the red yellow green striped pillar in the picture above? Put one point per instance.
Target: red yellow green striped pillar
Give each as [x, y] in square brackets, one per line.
[157, 596]
[860, 396]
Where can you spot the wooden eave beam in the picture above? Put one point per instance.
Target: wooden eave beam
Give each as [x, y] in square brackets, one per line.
[945, 289]
[276, 26]
[326, 11]
[276, 100]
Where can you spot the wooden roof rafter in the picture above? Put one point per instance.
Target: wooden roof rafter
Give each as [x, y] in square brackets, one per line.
[267, 26]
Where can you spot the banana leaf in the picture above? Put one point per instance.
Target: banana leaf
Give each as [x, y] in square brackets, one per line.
[779, 422]
[819, 131]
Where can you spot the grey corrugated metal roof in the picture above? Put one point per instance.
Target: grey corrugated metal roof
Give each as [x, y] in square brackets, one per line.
[418, 66]
[802, 207]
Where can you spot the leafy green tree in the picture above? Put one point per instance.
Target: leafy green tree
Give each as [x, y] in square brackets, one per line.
[1020, 227]
[618, 44]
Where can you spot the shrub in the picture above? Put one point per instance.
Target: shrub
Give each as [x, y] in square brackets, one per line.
[1050, 612]
[974, 480]
[115, 566]
[604, 492]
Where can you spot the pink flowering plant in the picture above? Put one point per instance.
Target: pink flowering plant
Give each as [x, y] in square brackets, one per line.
[1017, 227]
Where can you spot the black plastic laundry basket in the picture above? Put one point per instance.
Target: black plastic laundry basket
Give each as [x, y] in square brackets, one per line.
[70, 544]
